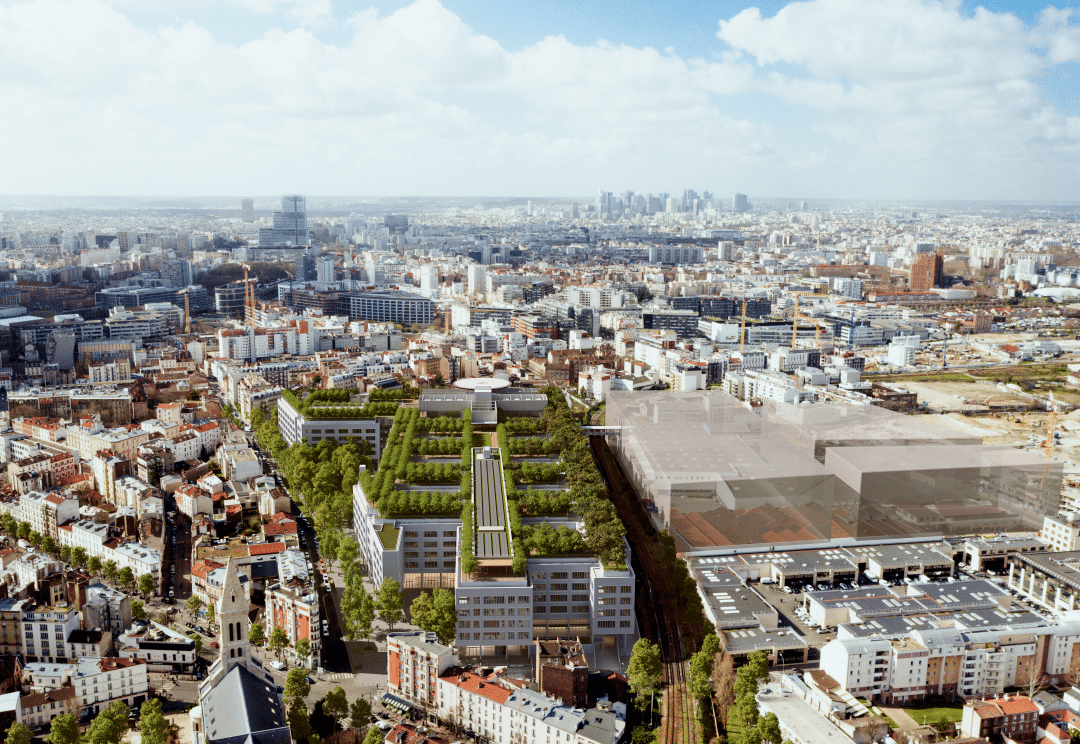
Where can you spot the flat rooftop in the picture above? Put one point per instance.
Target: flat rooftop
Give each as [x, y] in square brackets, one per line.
[492, 535]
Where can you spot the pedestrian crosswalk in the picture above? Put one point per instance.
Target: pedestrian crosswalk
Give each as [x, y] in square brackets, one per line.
[338, 675]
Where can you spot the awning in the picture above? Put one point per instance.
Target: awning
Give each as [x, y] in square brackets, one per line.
[392, 701]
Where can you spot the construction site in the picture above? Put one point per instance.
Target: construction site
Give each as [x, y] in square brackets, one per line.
[719, 472]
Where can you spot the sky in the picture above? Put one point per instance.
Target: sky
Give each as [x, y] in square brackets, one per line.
[856, 99]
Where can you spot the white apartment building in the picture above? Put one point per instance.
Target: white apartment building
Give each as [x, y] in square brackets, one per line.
[97, 682]
[951, 662]
[161, 649]
[1061, 533]
[47, 511]
[45, 631]
[94, 538]
[498, 711]
[89, 438]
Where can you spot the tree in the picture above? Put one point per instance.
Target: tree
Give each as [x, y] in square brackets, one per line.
[19, 733]
[375, 735]
[194, 604]
[9, 525]
[138, 611]
[23, 531]
[337, 705]
[103, 731]
[64, 729]
[93, 564]
[743, 713]
[1032, 679]
[198, 641]
[210, 612]
[723, 683]
[256, 634]
[146, 584]
[359, 714]
[303, 650]
[65, 553]
[296, 685]
[299, 723]
[79, 557]
[152, 723]
[389, 601]
[126, 577]
[108, 570]
[35, 539]
[278, 641]
[645, 668]
[436, 612]
[769, 728]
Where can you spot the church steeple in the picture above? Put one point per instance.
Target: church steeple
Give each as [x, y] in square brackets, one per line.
[233, 623]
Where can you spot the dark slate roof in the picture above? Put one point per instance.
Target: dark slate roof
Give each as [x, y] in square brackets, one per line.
[243, 709]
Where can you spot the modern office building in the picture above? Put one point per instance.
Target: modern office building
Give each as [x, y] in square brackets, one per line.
[676, 254]
[247, 210]
[290, 224]
[296, 427]
[392, 307]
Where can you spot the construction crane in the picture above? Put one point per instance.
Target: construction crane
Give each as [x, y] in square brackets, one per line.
[795, 321]
[742, 330]
[187, 312]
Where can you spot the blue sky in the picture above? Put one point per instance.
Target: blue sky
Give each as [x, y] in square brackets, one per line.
[817, 98]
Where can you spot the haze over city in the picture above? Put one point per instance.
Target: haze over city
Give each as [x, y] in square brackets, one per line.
[824, 98]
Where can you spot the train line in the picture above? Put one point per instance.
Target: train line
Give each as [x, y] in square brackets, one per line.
[656, 609]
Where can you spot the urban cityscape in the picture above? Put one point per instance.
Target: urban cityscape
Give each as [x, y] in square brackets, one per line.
[414, 470]
[443, 372]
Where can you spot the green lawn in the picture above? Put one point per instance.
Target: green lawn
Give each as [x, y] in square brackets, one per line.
[933, 715]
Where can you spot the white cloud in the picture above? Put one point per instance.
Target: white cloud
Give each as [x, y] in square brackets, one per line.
[824, 97]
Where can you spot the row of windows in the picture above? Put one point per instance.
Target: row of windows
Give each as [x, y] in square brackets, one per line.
[432, 533]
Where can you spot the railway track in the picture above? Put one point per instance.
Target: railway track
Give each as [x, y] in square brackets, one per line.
[656, 610]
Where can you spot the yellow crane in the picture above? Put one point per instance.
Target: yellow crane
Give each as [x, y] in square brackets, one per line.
[742, 330]
[187, 312]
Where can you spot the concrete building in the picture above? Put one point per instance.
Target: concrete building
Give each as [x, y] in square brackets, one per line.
[415, 660]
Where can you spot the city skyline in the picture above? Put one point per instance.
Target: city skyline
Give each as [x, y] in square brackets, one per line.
[824, 99]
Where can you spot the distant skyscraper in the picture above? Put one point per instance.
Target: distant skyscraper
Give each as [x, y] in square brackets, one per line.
[247, 210]
[126, 240]
[304, 268]
[477, 279]
[325, 269]
[429, 280]
[290, 224]
[176, 272]
[739, 204]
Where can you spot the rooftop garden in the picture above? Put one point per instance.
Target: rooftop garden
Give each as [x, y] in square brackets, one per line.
[586, 494]
[335, 405]
[396, 468]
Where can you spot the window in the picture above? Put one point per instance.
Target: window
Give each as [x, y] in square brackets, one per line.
[559, 575]
[558, 609]
[581, 575]
[579, 609]
[626, 589]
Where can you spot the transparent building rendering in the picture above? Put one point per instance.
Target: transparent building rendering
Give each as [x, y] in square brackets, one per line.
[718, 472]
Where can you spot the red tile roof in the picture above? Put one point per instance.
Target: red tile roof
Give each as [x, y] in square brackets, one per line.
[266, 548]
[474, 683]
